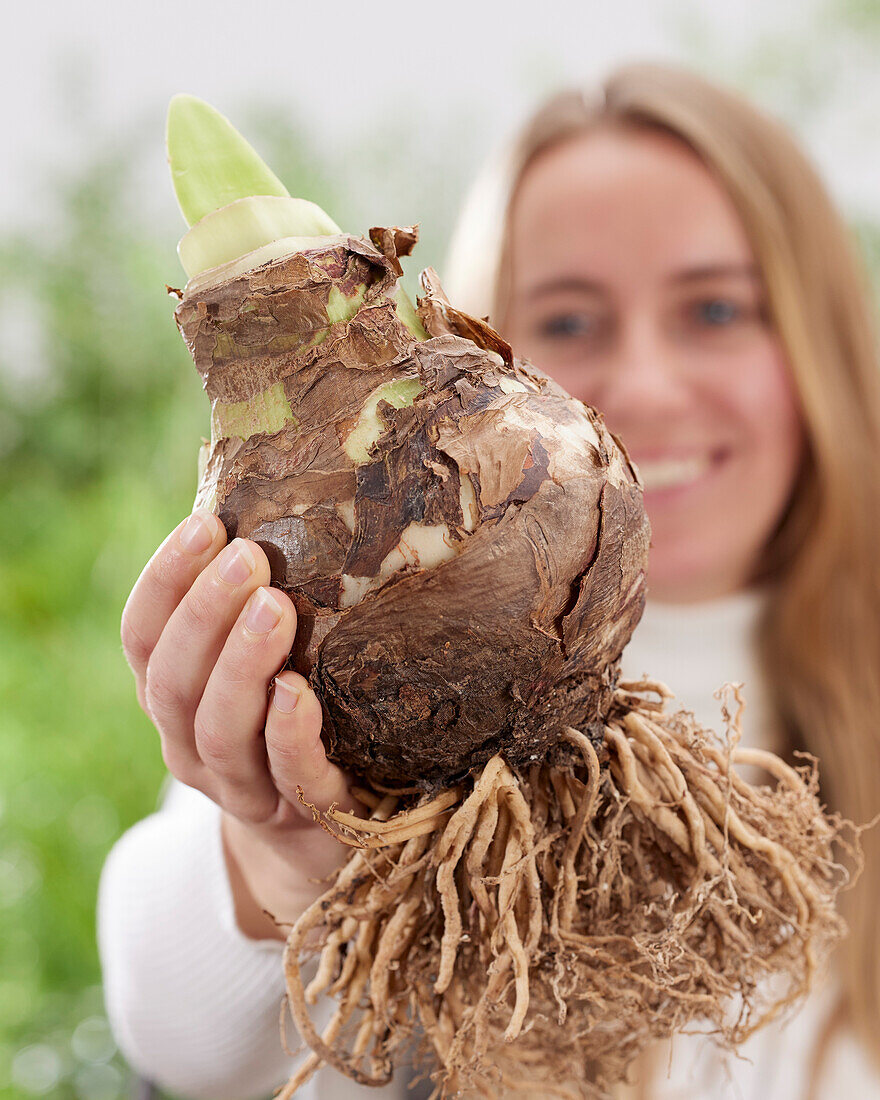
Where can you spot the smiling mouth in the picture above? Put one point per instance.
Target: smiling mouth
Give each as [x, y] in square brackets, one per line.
[676, 473]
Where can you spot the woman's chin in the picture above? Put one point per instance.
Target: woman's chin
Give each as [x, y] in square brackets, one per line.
[695, 565]
[686, 582]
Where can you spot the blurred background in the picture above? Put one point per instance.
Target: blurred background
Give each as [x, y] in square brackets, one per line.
[381, 113]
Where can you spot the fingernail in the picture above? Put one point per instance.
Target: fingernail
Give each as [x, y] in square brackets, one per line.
[285, 697]
[197, 534]
[236, 563]
[263, 612]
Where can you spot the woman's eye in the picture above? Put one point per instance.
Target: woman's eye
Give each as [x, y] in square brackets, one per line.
[567, 325]
[717, 312]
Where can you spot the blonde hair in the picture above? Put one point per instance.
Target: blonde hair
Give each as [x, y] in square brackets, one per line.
[819, 639]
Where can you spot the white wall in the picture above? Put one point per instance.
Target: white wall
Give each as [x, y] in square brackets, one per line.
[460, 73]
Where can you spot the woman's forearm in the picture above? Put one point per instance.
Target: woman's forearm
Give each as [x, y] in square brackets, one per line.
[192, 997]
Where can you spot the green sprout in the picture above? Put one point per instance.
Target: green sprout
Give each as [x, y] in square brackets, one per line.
[235, 204]
[211, 163]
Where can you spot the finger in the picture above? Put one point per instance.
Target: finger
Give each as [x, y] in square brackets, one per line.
[296, 752]
[190, 644]
[165, 580]
[231, 717]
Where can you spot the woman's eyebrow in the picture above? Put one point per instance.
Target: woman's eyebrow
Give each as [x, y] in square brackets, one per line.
[566, 283]
[747, 270]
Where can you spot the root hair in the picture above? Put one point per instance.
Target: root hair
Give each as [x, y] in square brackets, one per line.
[549, 922]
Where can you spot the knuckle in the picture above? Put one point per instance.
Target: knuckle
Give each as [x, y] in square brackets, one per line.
[249, 806]
[302, 750]
[164, 697]
[179, 763]
[163, 570]
[248, 665]
[240, 671]
[200, 612]
[213, 745]
[284, 756]
[136, 649]
[239, 682]
[233, 678]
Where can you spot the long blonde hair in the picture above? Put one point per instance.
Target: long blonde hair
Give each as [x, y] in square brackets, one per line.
[819, 639]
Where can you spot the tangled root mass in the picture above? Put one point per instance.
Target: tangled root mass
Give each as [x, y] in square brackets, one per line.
[531, 930]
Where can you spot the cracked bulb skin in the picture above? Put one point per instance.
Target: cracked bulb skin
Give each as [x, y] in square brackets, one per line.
[464, 542]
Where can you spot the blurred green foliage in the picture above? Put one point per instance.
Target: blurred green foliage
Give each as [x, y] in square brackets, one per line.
[98, 460]
[101, 412]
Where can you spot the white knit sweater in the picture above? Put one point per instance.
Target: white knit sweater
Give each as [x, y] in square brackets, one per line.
[195, 1004]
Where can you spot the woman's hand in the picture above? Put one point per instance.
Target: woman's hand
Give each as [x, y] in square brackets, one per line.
[205, 637]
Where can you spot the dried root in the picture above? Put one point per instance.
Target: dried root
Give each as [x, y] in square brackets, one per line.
[531, 930]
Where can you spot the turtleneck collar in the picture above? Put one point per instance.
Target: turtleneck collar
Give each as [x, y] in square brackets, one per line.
[696, 648]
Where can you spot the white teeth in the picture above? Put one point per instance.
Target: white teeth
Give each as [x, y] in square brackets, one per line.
[670, 473]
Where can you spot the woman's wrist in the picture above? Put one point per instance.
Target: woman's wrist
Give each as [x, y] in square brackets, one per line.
[262, 882]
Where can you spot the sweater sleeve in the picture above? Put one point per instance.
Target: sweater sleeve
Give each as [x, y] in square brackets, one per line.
[193, 1002]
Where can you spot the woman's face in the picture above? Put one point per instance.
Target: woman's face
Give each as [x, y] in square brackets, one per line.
[632, 283]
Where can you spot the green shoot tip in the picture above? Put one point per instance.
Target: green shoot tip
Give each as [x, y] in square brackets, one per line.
[211, 163]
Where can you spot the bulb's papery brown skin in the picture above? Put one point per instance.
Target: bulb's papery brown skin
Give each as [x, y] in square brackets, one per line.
[506, 643]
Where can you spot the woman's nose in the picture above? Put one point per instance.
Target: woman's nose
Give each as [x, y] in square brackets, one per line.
[643, 372]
